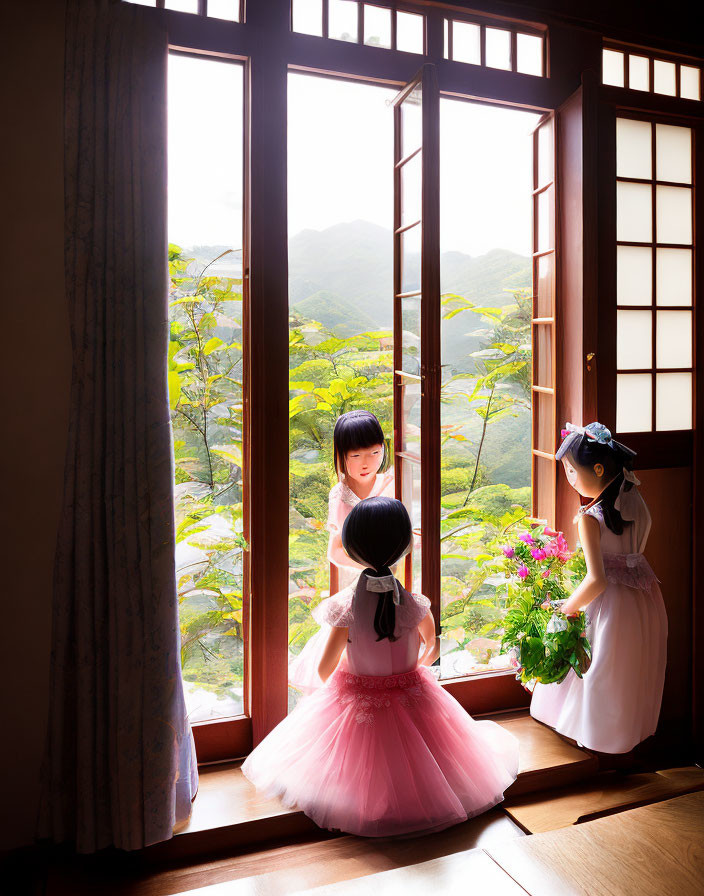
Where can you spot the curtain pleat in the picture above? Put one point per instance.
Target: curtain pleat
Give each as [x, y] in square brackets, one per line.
[120, 765]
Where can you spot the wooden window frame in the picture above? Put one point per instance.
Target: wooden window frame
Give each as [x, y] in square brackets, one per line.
[270, 51]
[653, 56]
[391, 5]
[664, 448]
[653, 370]
[203, 10]
[513, 26]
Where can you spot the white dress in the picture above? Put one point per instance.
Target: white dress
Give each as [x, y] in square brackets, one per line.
[616, 705]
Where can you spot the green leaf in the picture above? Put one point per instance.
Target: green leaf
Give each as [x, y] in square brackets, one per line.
[212, 344]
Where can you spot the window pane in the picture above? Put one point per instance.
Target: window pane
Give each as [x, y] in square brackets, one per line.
[410, 326]
[409, 32]
[529, 50]
[634, 151]
[340, 265]
[546, 286]
[634, 402]
[543, 412]
[229, 10]
[674, 276]
[674, 339]
[498, 48]
[689, 82]
[612, 63]
[542, 346]
[634, 275]
[412, 122]
[633, 213]
[182, 5]
[308, 17]
[410, 259]
[674, 214]
[545, 153]
[446, 45]
[634, 340]
[411, 419]
[673, 396]
[638, 72]
[664, 77]
[673, 152]
[377, 26]
[342, 24]
[205, 379]
[466, 39]
[411, 186]
[546, 222]
[411, 474]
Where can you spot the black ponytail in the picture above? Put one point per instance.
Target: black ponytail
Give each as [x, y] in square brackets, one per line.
[377, 533]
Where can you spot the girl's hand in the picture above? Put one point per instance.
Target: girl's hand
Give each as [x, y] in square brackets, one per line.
[568, 612]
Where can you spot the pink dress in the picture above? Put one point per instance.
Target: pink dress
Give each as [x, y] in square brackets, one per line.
[382, 749]
[616, 704]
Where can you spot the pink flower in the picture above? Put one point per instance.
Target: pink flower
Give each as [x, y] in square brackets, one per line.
[509, 551]
[527, 537]
[549, 532]
[546, 573]
[559, 548]
[538, 553]
[523, 571]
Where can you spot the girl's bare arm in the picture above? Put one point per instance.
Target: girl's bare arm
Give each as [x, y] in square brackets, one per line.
[336, 643]
[594, 582]
[431, 648]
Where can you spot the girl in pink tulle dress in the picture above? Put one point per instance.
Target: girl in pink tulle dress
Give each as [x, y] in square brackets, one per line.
[381, 748]
[616, 704]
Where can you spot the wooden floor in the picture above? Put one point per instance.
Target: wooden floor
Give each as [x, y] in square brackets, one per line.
[240, 843]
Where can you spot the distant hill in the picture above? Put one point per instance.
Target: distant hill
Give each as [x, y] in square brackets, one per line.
[343, 277]
[334, 313]
[351, 265]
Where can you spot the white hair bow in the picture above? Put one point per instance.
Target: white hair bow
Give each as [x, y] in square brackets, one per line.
[381, 584]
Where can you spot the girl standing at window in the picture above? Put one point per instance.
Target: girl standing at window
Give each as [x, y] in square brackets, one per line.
[616, 704]
[381, 748]
[359, 452]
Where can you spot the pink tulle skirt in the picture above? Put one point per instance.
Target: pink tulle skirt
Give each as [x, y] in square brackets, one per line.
[384, 755]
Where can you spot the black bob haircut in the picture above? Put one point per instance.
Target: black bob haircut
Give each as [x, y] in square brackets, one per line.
[376, 534]
[584, 451]
[355, 430]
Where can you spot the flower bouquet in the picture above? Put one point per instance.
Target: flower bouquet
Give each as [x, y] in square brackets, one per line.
[541, 572]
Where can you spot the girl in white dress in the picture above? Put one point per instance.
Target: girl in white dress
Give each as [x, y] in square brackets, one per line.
[616, 704]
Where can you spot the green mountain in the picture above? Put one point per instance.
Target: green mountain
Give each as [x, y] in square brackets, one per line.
[343, 277]
[345, 274]
[333, 313]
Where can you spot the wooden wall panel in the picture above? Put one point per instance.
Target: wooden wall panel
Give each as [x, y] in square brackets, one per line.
[668, 494]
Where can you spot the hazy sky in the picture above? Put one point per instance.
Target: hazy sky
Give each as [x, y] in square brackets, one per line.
[340, 157]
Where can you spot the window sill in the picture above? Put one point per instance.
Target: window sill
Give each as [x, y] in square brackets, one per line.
[229, 812]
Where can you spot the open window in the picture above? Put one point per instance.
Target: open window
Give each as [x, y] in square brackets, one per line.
[417, 326]
[544, 324]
